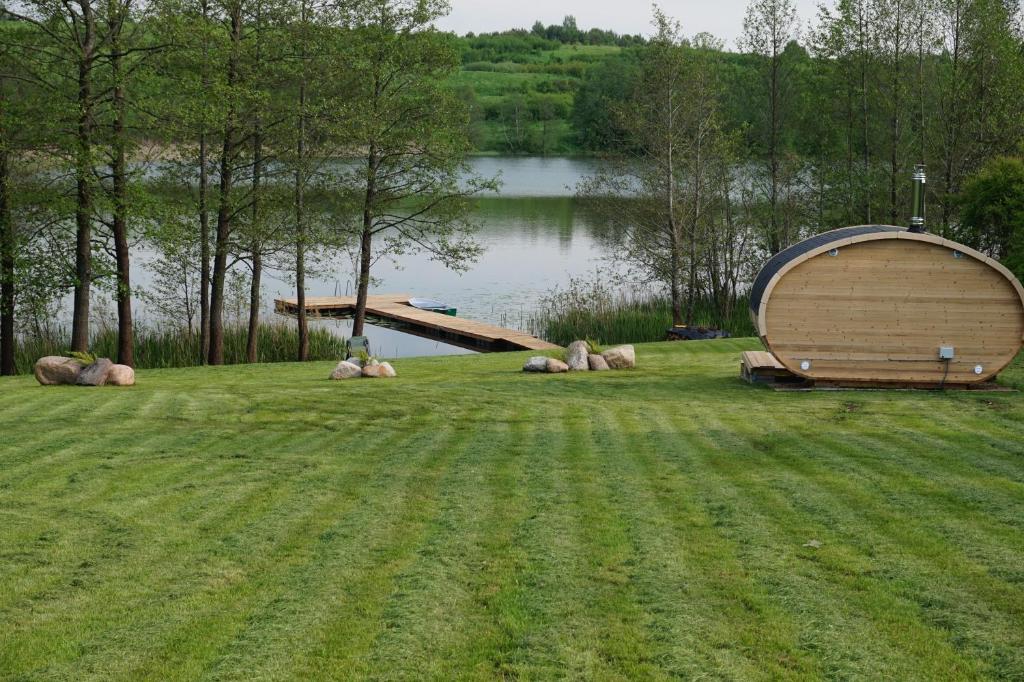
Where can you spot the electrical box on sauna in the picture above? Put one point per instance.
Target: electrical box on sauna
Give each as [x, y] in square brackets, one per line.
[879, 304]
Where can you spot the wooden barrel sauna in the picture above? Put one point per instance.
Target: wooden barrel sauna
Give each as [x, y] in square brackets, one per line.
[878, 304]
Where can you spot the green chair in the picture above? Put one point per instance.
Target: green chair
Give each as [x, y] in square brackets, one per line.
[357, 344]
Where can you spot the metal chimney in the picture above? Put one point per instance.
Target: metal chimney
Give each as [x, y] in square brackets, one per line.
[920, 180]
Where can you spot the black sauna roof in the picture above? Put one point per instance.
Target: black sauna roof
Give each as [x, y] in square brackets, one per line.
[779, 260]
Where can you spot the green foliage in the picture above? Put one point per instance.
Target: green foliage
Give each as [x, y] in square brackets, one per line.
[992, 212]
[83, 358]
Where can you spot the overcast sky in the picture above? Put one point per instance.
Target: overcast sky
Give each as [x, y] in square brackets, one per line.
[723, 18]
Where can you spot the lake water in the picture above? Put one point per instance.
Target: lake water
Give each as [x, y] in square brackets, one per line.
[536, 237]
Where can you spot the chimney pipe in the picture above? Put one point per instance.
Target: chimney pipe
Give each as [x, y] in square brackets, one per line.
[920, 180]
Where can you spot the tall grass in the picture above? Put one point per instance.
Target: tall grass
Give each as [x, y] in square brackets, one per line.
[591, 310]
[162, 348]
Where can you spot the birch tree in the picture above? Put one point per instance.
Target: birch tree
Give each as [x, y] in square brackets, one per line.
[414, 185]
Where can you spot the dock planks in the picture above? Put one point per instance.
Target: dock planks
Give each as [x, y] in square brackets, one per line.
[395, 308]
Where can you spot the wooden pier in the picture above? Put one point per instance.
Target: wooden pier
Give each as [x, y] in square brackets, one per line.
[395, 311]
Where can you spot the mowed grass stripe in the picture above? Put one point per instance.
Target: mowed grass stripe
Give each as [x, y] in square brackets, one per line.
[224, 562]
[449, 612]
[769, 500]
[338, 579]
[706, 610]
[271, 563]
[940, 573]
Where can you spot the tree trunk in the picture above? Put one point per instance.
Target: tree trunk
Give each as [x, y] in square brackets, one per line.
[777, 243]
[125, 333]
[674, 281]
[83, 182]
[204, 215]
[366, 242]
[894, 123]
[252, 342]
[300, 202]
[251, 346]
[7, 251]
[300, 226]
[224, 209]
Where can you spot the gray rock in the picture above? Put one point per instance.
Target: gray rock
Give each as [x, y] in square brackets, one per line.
[576, 356]
[597, 363]
[346, 369]
[556, 366]
[54, 370]
[355, 361]
[620, 357]
[121, 375]
[536, 364]
[95, 374]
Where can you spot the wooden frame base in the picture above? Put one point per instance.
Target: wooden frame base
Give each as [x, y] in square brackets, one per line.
[761, 367]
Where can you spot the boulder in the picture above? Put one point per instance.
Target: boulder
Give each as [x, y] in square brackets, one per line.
[620, 357]
[556, 366]
[576, 356]
[536, 364]
[380, 370]
[597, 363]
[95, 374]
[355, 361]
[346, 369]
[54, 370]
[121, 375]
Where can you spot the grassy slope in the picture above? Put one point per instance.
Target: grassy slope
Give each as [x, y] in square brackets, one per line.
[260, 522]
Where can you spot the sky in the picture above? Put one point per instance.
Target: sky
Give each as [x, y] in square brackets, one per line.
[723, 18]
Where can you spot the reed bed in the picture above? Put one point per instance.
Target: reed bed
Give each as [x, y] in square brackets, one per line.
[158, 347]
[589, 310]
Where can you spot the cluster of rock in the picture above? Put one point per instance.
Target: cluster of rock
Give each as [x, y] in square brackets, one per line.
[55, 370]
[578, 358]
[354, 367]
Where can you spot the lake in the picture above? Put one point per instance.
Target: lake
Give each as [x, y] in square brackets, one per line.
[536, 237]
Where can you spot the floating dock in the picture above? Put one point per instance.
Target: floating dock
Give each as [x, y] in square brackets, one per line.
[395, 311]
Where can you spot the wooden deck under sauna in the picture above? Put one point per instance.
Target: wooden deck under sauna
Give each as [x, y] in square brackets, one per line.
[395, 310]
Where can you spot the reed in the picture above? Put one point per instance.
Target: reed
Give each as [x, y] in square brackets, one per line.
[589, 311]
[157, 347]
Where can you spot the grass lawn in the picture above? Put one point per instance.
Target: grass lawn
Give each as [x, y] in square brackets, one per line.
[469, 521]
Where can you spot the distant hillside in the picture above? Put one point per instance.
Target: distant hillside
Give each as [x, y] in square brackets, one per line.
[521, 85]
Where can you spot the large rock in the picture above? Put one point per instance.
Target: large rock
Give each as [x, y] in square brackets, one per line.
[95, 374]
[555, 366]
[620, 357]
[54, 370]
[121, 375]
[576, 356]
[346, 369]
[536, 364]
[381, 370]
[597, 363]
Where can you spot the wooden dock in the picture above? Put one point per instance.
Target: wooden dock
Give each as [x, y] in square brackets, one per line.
[395, 311]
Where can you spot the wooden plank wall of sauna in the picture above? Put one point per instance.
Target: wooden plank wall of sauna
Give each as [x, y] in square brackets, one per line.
[881, 309]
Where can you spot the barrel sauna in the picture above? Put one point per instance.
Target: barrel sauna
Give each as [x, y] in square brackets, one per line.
[878, 304]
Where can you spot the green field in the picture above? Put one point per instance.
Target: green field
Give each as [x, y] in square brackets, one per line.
[469, 521]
